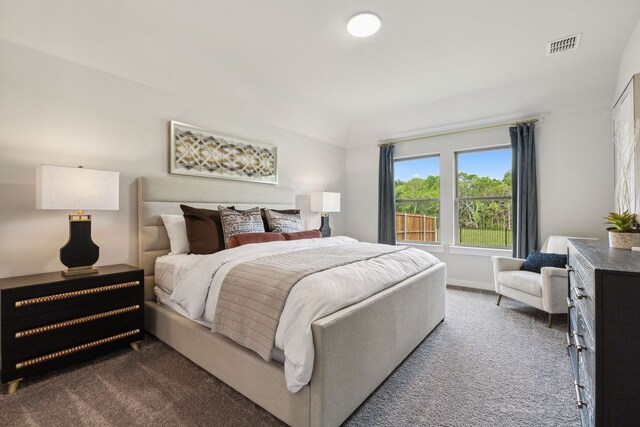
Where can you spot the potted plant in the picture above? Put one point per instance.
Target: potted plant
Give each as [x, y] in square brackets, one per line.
[624, 231]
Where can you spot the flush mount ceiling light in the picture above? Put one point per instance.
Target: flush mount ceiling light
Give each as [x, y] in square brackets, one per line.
[364, 24]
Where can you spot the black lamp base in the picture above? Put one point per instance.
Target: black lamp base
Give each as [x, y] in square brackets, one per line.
[80, 253]
[324, 225]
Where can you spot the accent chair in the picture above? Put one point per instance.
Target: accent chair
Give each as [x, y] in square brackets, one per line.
[546, 291]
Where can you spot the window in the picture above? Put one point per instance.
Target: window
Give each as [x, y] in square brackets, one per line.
[483, 197]
[417, 192]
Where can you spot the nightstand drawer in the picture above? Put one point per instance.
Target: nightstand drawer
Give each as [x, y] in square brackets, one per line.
[76, 350]
[23, 337]
[29, 301]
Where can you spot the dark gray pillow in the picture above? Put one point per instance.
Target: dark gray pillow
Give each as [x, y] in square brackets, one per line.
[536, 260]
[279, 222]
[235, 222]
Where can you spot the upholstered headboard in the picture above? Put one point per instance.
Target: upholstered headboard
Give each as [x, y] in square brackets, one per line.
[163, 195]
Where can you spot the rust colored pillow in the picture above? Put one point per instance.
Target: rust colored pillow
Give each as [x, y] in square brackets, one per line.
[204, 230]
[309, 234]
[246, 238]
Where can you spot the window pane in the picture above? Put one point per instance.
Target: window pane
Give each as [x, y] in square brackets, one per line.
[417, 192]
[483, 200]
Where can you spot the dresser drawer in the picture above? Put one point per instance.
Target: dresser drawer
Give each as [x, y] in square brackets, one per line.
[583, 273]
[33, 300]
[48, 335]
[77, 350]
[585, 321]
[584, 303]
[586, 379]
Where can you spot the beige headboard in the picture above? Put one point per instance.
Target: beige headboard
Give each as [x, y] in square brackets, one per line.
[163, 195]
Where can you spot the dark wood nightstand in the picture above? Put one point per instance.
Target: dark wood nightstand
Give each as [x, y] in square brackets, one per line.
[49, 321]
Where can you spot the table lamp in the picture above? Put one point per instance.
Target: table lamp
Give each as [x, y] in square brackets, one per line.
[325, 202]
[78, 189]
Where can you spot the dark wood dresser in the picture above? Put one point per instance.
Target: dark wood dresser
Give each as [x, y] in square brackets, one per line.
[603, 339]
[49, 321]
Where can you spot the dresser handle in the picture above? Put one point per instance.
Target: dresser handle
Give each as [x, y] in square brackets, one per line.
[570, 303]
[75, 349]
[579, 403]
[73, 294]
[576, 338]
[569, 268]
[73, 322]
[569, 343]
[578, 290]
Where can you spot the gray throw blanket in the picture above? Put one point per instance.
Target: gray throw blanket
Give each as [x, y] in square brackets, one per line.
[253, 293]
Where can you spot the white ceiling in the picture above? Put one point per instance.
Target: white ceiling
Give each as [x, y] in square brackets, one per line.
[292, 63]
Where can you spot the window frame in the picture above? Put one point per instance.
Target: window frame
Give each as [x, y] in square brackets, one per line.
[456, 198]
[438, 155]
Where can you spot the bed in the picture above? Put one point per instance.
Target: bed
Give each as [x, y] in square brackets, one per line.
[355, 348]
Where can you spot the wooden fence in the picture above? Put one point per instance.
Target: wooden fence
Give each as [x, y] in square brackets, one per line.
[416, 228]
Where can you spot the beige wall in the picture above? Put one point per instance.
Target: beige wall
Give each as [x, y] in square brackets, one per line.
[60, 113]
[629, 61]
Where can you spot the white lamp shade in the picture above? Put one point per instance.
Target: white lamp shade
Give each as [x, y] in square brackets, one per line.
[325, 202]
[59, 187]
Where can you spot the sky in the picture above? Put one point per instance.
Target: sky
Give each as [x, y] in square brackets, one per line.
[493, 163]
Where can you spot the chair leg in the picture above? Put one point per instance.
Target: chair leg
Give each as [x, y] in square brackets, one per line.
[550, 319]
[499, 298]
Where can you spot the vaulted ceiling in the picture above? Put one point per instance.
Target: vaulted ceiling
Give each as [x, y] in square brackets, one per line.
[294, 59]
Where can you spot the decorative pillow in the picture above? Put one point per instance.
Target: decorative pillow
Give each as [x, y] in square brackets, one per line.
[247, 238]
[283, 222]
[204, 230]
[236, 222]
[536, 260]
[177, 232]
[283, 211]
[309, 234]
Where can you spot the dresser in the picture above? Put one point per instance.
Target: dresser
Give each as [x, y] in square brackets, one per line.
[49, 321]
[603, 337]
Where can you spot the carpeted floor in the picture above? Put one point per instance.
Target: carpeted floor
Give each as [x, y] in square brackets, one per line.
[484, 366]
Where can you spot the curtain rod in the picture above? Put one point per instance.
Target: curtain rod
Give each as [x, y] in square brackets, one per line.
[455, 132]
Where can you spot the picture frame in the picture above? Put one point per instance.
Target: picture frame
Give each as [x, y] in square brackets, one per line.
[626, 126]
[194, 151]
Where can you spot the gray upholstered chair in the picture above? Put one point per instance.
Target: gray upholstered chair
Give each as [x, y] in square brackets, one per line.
[546, 291]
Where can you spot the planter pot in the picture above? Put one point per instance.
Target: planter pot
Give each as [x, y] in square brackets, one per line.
[623, 240]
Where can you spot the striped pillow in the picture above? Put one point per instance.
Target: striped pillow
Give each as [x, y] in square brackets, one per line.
[282, 222]
[234, 222]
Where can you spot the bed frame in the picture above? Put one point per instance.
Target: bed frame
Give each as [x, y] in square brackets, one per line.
[356, 348]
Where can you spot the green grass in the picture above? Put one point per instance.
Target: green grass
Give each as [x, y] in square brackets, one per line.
[481, 237]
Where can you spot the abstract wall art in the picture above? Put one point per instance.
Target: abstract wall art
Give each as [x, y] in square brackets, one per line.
[199, 152]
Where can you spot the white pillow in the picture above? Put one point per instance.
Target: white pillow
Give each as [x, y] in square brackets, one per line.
[177, 231]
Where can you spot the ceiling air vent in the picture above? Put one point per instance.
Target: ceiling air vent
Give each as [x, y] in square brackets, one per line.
[563, 45]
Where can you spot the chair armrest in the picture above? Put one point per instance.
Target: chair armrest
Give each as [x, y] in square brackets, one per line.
[553, 271]
[502, 263]
[554, 289]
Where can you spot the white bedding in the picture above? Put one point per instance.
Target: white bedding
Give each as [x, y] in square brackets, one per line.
[199, 278]
[168, 271]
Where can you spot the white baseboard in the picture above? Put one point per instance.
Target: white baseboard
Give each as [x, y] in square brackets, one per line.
[471, 284]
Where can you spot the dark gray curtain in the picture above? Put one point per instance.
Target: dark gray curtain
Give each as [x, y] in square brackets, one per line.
[386, 197]
[524, 190]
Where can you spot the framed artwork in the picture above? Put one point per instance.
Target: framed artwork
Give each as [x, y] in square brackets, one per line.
[199, 152]
[626, 125]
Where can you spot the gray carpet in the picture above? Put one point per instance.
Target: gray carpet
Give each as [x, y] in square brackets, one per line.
[484, 366]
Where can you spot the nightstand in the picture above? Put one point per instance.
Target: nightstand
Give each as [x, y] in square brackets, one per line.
[49, 321]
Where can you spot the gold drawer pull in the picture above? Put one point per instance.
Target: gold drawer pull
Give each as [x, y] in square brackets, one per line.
[56, 297]
[77, 321]
[75, 349]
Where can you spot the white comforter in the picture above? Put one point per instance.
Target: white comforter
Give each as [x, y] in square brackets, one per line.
[199, 278]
